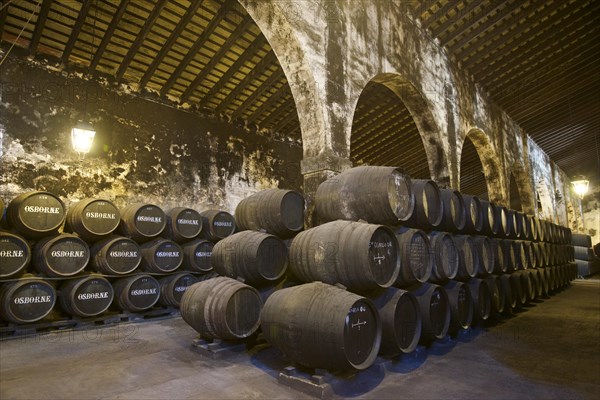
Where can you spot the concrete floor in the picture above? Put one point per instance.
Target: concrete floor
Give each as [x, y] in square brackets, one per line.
[550, 351]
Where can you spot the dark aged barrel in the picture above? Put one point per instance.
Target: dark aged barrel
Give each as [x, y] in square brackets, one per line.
[482, 299]
[36, 214]
[491, 220]
[276, 211]
[400, 320]
[142, 222]
[183, 224]
[15, 255]
[445, 256]
[520, 256]
[197, 255]
[522, 225]
[504, 225]
[259, 258]
[545, 281]
[500, 261]
[217, 225]
[116, 255]
[507, 287]
[527, 286]
[92, 219]
[486, 255]
[416, 259]
[26, 300]
[161, 256]
[428, 210]
[461, 305]
[86, 297]
[435, 311]
[518, 289]
[534, 227]
[173, 287]
[322, 326]
[222, 308]
[473, 214]
[136, 293]
[497, 295]
[454, 217]
[513, 226]
[358, 255]
[508, 249]
[468, 256]
[539, 283]
[379, 195]
[61, 256]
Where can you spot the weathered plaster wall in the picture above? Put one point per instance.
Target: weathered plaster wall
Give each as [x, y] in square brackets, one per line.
[143, 150]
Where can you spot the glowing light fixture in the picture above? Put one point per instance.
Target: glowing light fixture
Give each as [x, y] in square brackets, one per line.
[581, 187]
[82, 137]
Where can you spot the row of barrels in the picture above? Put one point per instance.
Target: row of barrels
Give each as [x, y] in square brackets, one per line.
[318, 325]
[385, 195]
[31, 298]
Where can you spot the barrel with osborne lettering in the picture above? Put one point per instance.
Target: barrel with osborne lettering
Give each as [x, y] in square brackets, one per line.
[26, 300]
[379, 195]
[322, 326]
[15, 255]
[116, 255]
[482, 299]
[92, 219]
[183, 224]
[217, 225]
[161, 256]
[142, 222]
[445, 256]
[400, 320]
[358, 255]
[416, 258]
[454, 217]
[429, 209]
[461, 305]
[173, 287]
[86, 297]
[197, 255]
[222, 308]
[259, 258]
[61, 256]
[435, 311]
[468, 256]
[36, 214]
[473, 214]
[276, 211]
[136, 293]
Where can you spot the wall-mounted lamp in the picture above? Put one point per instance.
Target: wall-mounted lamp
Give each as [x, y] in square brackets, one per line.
[580, 187]
[82, 137]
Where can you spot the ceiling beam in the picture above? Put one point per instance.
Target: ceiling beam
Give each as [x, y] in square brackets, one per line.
[456, 19]
[439, 13]
[291, 117]
[269, 103]
[396, 123]
[135, 46]
[421, 7]
[109, 34]
[3, 14]
[39, 26]
[363, 135]
[83, 12]
[270, 82]
[200, 41]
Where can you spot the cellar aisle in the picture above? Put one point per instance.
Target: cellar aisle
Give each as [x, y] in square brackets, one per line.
[550, 351]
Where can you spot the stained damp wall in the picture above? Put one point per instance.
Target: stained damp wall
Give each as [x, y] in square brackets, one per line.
[143, 151]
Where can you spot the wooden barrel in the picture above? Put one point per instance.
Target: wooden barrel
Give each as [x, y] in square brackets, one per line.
[217, 225]
[222, 308]
[379, 195]
[276, 211]
[520, 255]
[36, 214]
[482, 299]
[435, 311]
[197, 255]
[116, 255]
[539, 282]
[518, 289]
[491, 220]
[534, 227]
[526, 256]
[142, 222]
[527, 285]
[453, 206]
[258, 258]
[513, 225]
[504, 225]
[468, 256]
[416, 259]
[429, 209]
[508, 249]
[506, 286]
[500, 261]
[497, 295]
[545, 281]
[445, 256]
[322, 326]
[26, 300]
[136, 293]
[1, 209]
[400, 320]
[183, 224]
[92, 219]
[173, 287]
[86, 297]
[461, 305]
[358, 255]
[15, 255]
[61, 256]
[535, 284]
[161, 256]
[487, 262]
[473, 214]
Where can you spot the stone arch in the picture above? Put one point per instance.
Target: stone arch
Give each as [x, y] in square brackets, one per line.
[423, 119]
[490, 163]
[545, 205]
[522, 181]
